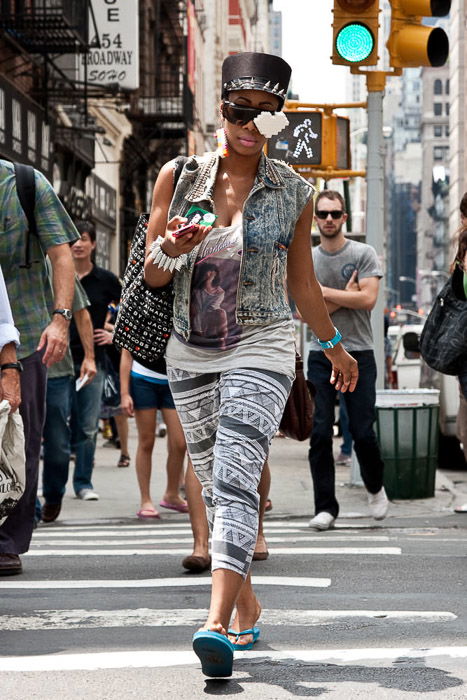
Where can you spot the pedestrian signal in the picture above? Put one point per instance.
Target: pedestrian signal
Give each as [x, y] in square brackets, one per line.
[355, 32]
[412, 43]
[313, 138]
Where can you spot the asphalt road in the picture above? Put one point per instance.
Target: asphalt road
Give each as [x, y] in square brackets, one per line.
[104, 610]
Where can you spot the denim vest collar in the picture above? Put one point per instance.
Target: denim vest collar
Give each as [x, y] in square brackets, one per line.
[203, 187]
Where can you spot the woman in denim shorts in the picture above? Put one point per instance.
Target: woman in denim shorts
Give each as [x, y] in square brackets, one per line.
[143, 393]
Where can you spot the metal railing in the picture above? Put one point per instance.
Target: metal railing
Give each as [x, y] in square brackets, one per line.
[46, 26]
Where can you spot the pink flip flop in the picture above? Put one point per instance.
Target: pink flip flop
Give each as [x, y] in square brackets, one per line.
[180, 507]
[148, 514]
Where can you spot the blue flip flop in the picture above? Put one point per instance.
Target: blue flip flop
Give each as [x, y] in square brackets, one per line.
[215, 652]
[254, 631]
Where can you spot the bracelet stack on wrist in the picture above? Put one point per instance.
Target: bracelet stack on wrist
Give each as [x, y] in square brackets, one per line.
[164, 261]
[329, 344]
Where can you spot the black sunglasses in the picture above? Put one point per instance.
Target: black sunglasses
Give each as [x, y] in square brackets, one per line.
[322, 214]
[240, 115]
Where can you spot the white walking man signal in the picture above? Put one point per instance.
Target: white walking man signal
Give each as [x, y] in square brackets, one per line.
[304, 133]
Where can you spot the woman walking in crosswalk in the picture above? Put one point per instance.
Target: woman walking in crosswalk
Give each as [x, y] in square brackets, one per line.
[230, 389]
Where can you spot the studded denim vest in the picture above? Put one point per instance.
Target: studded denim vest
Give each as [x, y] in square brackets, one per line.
[270, 213]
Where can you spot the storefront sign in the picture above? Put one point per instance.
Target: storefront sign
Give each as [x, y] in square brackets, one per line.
[24, 133]
[104, 201]
[117, 59]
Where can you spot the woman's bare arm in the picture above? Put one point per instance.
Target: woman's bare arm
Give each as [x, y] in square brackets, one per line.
[159, 226]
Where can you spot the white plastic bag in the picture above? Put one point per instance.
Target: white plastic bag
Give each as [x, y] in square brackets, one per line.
[12, 459]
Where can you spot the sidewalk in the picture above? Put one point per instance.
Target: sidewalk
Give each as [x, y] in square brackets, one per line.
[291, 491]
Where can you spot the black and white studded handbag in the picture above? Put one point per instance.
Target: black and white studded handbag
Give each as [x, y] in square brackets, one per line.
[144, 319]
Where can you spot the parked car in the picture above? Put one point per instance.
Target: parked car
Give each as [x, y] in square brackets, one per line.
[406, 363]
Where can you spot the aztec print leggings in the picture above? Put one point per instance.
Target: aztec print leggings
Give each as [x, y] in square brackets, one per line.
[229, 419]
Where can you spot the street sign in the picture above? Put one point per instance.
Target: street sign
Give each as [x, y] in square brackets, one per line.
[114, 53]
[313, 138]
[300, 143]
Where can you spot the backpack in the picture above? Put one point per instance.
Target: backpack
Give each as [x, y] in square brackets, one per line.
[144, 319]
[443, 341]
[26, 191]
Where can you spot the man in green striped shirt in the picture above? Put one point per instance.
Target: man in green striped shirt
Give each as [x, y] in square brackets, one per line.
[41, 316]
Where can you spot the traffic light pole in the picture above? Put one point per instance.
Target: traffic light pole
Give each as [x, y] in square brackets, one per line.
[375, 204]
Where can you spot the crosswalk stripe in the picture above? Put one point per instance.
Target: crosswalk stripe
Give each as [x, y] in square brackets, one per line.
[145, 617]
[159, 525]
[182, 582]
[129, 524]
[141, 539]
[166, 659]
[279, 550]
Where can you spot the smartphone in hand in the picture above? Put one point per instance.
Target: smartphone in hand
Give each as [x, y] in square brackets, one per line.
[196, 217]
[187, 228]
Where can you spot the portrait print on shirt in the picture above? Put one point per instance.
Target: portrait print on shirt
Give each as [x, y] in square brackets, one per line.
[214, 290]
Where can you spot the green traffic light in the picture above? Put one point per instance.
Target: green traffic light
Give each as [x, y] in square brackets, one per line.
[355, 42]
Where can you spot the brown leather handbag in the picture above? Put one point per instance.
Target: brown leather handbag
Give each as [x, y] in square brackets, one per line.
[297, 419]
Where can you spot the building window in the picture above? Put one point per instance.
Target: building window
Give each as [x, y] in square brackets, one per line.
[437, 109]
[446, 130]
[440, 152]
[447, 86]
[447, 108]
[438, 87]
[437, 131]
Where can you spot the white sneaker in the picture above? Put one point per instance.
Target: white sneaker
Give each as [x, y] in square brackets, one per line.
[322, 521]
[344, 460]
[378, 504]
[88, 495]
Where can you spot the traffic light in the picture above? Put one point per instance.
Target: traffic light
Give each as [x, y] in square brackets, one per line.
[355, 32]
[412, 43]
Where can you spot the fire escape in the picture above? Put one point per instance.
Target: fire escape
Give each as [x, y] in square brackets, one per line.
[44, 40]
[161, 111]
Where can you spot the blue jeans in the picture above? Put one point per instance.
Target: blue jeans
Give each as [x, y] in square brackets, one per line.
[57, 438]
[361, 409]
[85, 410]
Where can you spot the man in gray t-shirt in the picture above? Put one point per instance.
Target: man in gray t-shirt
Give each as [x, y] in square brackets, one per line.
[349, 274]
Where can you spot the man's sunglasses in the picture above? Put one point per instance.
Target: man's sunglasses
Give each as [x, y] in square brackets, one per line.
[240, 115]
[322, 214]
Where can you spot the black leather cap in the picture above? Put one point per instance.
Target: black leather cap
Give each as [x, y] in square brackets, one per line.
[256, 71]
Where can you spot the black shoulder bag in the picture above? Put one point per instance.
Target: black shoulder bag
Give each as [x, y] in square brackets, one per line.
[144, 319]
[443, 341]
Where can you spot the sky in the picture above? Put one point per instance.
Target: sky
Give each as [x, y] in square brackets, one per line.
[307, 46]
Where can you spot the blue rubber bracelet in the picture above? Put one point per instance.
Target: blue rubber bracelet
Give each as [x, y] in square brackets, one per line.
[329, 344]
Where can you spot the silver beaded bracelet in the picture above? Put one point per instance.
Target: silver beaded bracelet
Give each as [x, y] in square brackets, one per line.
[162, 260]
